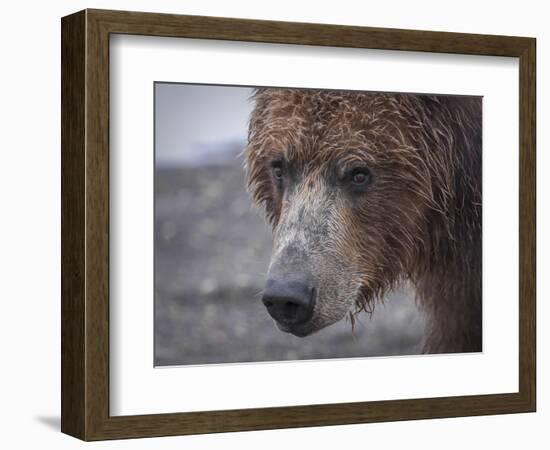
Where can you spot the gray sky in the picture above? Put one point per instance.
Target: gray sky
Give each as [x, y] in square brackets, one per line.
[191, 121]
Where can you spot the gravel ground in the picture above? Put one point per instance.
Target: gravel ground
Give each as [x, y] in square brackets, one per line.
[212, 249]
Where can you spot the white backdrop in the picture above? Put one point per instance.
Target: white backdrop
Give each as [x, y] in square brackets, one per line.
[31, 214]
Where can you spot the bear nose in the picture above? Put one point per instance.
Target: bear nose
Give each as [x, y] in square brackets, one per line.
[289, 302]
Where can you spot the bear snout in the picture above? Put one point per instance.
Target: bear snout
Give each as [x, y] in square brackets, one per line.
[289, 301]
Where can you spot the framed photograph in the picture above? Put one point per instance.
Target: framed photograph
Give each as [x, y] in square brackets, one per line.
[272, 225]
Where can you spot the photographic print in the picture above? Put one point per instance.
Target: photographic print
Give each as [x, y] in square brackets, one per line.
[295, 224]
[259, 224]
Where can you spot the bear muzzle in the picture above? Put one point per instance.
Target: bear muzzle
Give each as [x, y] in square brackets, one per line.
[290, 301]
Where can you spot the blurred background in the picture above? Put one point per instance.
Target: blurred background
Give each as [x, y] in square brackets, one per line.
[212, 248]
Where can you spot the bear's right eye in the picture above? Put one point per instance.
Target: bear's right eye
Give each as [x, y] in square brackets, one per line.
[277, 170]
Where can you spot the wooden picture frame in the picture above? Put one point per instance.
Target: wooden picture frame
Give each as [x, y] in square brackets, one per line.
[85, 224]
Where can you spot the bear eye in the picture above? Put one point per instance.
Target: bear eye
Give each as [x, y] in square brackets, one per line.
[360, 176]
[277, 170]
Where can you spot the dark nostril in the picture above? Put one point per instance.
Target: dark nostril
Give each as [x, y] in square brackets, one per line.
[291, 308]
[289, 301]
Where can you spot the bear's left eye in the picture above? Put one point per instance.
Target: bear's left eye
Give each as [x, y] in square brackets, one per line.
[360, 176]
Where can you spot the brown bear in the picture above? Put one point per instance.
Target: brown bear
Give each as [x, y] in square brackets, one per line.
[365, 191]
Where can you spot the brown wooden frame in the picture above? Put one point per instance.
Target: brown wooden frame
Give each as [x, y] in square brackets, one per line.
[85, 224]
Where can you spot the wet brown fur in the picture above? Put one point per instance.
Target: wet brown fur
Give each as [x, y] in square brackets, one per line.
[420, 219]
